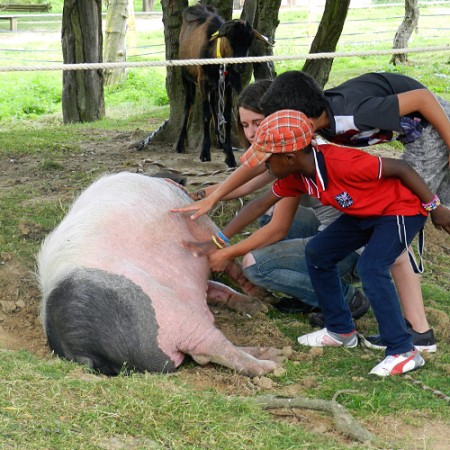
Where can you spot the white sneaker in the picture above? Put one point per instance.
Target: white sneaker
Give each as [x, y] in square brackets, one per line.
[325, 338]
[398, 364]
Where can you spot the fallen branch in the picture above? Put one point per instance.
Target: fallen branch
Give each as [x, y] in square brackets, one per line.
[345, 422]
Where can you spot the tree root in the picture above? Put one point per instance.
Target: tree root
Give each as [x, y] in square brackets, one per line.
[344, 421]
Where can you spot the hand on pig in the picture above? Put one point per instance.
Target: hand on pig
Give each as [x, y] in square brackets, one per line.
[199, 208]
[199, 249]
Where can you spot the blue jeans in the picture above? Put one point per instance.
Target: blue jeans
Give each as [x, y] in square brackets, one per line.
[281, 267]
[385, 240]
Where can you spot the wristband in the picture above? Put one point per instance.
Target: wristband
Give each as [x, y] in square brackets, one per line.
[218, 244]
[431, 206]
[223, 238]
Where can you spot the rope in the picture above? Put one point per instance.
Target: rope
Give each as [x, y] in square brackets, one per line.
[221, 104]
[143, 163]
[210, 61]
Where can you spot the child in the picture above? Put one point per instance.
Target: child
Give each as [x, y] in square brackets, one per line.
[385, 204]
[371, 109]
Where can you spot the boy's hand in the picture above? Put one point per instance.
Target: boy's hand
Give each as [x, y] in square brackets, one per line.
[201, 207]
[200, 249]
[218, 260]
[441, 218]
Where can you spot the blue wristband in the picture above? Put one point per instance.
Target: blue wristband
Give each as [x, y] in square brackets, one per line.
[223, 237]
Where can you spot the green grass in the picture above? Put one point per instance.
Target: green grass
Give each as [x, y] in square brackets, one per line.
[56, 404]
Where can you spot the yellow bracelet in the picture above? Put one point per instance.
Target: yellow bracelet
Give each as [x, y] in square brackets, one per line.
[214, 239]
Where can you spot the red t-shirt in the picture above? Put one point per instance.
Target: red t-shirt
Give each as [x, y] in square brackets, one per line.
[350, 180]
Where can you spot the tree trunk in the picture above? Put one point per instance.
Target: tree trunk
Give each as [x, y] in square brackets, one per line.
[405, 30]
[131, 30]
[327, 37]
[172, 19]
[115, 39]
[263, 16]
[81, 36]
[148, 5]
[224, 7]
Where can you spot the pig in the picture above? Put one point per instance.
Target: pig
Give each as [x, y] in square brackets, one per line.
[119, 292]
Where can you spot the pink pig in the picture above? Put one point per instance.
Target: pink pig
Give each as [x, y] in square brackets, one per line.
[120, 293]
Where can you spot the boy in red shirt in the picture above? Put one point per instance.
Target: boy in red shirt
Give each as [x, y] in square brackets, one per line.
[385, 205]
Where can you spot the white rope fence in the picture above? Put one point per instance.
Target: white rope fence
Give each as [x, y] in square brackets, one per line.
[202, 62]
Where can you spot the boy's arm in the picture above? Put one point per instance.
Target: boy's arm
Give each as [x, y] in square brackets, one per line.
[235, 180]
[424, 102]
[274, 231]
[412, 180]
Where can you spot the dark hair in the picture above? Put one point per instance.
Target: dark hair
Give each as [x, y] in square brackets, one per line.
[249, 99]
[294, 90]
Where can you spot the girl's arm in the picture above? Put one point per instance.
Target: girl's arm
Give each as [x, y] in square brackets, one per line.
[274, 231]
[235, 180]
[412, 180]
[248, 188]
[424, 102]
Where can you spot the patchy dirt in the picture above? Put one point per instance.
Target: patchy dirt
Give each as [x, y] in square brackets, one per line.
[19, 295]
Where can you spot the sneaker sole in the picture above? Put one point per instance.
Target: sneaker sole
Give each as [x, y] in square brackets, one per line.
[422, 348]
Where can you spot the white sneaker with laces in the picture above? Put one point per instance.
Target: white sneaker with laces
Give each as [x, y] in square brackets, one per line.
[325, 338]
[398, 364]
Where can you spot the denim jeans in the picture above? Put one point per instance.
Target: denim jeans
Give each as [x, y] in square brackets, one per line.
[385, 240]
[281, 267]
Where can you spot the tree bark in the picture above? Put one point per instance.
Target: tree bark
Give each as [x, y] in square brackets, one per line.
[172, 10]
[263, 16]
[326, 39]
[405, 30]
[131, 30]
[115, 39]
[224, 8]
[82, 94]
[148, 5]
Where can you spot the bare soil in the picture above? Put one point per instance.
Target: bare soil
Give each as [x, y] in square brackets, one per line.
[20, 327]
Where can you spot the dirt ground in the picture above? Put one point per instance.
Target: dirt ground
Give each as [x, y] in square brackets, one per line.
[19, 296]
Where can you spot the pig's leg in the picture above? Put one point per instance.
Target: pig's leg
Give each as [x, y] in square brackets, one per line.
[234, 271]
[272, 353]
[219, 294]
[216, 348]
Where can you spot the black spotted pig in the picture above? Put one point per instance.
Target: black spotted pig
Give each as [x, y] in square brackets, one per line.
[119, 292]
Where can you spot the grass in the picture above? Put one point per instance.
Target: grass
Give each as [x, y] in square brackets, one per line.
[56, 404]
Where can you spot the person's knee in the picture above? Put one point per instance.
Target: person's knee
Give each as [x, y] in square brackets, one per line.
[312, 256]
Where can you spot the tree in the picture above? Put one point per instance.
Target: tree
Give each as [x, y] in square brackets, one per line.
[148, 5]
[326, 39]
[82, 42]
[115, 39]
[172, 18]
[405, 30]
[263, 16]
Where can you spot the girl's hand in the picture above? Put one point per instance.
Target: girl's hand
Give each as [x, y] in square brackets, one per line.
[199, 249]
[201, 207]
[441, 218]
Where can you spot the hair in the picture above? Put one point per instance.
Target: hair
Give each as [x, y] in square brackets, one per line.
[296, 90]
[249, 99]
